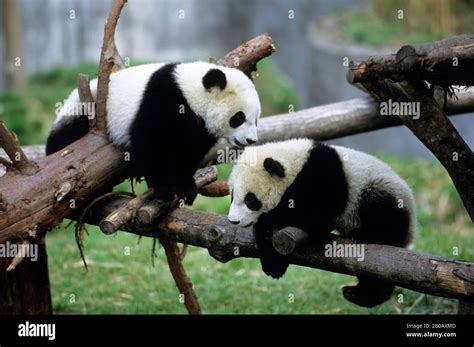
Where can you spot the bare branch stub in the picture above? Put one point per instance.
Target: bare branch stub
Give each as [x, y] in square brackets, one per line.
[215, 189]
[106, 64]
[287, 240]
[20, 256]
[246, 56]
[19, 160]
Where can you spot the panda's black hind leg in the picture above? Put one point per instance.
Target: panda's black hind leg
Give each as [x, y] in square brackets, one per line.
[368, 292]
[66, 132]
[382, 222]
[163, 192]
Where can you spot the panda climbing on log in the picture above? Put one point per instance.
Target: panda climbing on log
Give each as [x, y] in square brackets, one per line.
[319, 188]
[168, 116]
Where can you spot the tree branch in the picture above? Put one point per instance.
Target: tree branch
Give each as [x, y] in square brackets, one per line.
[19, 160]
[442, 63]
[181, 279]
[425, 273]
[215, 189]
[435, 131]
[106, 64]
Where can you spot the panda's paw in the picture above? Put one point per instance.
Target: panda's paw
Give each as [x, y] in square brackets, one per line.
[165, 193]
[366, 298]
[188, 194]
[274, 267]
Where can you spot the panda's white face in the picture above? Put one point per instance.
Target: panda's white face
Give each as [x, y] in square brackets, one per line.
[261, 178]
[225, 98]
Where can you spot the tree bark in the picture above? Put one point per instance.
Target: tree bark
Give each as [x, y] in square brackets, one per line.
[106, 64]
[435, 131]
[444, 63]
[180, 277]
[26, 290]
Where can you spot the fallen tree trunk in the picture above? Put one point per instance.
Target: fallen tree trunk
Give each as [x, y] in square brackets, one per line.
[425, 273]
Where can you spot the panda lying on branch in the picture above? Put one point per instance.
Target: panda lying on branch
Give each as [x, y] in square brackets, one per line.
[318, 188]
[168, 116]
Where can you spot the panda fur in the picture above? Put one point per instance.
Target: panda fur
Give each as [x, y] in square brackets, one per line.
[168, 116]
[320, 188]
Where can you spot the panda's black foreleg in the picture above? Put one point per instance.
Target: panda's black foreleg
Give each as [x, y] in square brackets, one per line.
[164, 191]
[161, 176]
[186, 189]
[273, 263]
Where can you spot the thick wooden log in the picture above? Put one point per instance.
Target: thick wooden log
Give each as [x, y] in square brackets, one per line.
[441, 63]
[64, 181]
[425, 273]
[26, 290]
[435, 131]
[409, 56]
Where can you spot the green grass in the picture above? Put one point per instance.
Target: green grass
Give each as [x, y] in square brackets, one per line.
[119, 283]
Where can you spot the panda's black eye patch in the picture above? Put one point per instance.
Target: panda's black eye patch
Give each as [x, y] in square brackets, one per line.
[237, 119]
[252, 202]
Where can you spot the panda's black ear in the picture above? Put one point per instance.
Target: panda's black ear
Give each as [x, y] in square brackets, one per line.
[214, 78]
[274, 167]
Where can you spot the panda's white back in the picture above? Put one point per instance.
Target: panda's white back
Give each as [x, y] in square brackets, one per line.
[361, 170]
[126, 89]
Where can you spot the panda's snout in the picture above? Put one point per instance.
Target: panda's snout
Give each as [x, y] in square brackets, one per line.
[234, 221]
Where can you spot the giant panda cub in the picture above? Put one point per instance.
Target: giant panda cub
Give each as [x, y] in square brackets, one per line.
[321, 188]
[168, 116]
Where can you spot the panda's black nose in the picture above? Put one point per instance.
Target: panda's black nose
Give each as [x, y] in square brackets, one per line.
[234, 221]
[250, 141]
